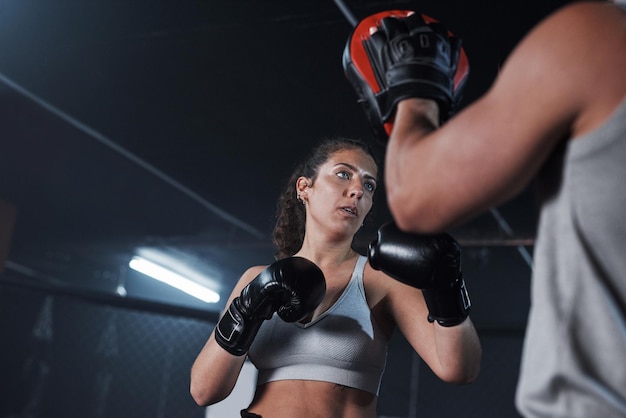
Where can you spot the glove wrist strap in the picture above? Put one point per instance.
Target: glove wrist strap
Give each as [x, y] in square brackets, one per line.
[448, 307]
[235, 331]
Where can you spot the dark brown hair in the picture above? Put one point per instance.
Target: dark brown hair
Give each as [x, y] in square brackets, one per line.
[288, 233]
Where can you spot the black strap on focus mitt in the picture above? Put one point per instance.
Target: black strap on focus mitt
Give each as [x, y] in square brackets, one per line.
[399, 54]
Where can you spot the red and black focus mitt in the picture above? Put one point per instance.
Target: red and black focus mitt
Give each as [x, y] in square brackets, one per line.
[399, 54]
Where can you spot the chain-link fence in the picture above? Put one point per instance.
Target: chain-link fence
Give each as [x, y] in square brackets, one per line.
[66, 356]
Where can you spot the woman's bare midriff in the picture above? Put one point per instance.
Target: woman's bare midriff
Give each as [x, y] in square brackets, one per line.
[312, 399]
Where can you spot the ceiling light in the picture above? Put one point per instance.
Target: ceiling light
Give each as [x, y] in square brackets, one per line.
[173, 279]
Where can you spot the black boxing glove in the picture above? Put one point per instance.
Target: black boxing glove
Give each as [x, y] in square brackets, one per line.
[409, 55]
[428, 262]
[293, 287]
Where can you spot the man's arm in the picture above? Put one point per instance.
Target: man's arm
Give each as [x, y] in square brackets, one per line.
[436, 179]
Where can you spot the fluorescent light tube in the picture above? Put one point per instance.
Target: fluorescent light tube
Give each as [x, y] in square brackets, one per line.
[173, 279]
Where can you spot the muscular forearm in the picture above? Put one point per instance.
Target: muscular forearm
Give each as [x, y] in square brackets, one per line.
[415, 119]
[415, 116]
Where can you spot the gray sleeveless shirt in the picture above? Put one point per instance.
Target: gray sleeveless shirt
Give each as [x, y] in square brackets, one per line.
[574, 357]
[344, 345]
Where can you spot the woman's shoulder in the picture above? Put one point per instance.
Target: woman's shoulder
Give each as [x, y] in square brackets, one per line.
[250, 274]
[378, 285]
[254, 270]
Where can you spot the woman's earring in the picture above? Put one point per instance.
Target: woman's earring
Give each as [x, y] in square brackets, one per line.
[300, 198]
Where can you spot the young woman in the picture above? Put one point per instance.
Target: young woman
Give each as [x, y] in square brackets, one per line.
[327, 361]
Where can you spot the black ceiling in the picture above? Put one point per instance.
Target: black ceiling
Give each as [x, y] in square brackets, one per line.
[172, 125]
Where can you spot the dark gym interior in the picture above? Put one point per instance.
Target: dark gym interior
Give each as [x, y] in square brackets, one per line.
[167, 129]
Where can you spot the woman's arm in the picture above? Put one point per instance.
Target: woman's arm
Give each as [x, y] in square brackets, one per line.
[215, 371]
[426, 297]
[453, 353]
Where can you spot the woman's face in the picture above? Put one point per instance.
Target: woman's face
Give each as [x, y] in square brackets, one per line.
[342, 193]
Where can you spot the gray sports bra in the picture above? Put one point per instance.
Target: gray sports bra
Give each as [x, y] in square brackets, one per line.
[344, 345]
